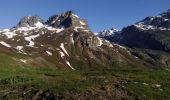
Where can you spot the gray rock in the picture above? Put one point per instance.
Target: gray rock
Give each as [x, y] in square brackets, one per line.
[66, 20]
[29, 21]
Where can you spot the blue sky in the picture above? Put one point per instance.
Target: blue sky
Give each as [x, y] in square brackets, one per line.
[100, 14]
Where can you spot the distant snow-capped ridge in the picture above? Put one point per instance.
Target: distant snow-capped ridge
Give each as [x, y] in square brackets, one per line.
[108, 32]
[160, 22]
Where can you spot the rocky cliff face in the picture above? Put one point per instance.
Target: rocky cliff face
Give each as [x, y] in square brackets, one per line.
[148, 39]
[150, 33]
[66, 20]
[30, 21]
[64, 41]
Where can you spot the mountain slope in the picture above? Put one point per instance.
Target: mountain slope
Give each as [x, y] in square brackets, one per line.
[64, 41]
[150, 37]
[32, 52]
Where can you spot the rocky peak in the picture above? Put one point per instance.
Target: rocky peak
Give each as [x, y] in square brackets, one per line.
[66, 20]
[166, 14]
[108, 32]
[30, 21]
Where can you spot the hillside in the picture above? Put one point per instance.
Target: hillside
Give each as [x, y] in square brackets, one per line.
[62, 59]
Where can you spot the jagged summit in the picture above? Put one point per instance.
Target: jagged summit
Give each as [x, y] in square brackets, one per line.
[30, 21]
[67, 19]
[61, 21]
[111, 35]
[108, 32]
[64, 41]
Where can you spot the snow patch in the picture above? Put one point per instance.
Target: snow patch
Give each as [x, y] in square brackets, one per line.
[145, 84]
[100, 41]
[76, 28]
[5, 44]
[68, 63]
[110, 44]
[149, 27]
[38, 24]
[61, 53]
[9, 34]
[23, 60]
[62, 56]
[157, 85]
[25, 29]
[28, 28]
[120, 46]
[54, 29]
[19, 48]
[86, 30]
[82, 23]
[63, 48]
[75, 15]
[166, 19]
[145, 27]
[49, 53]
[72, 40]
[30, 38]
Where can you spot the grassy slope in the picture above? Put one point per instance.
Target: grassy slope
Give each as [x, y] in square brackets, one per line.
[17, 81]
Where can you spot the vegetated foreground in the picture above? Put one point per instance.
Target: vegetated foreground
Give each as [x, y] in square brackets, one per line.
[45, 83]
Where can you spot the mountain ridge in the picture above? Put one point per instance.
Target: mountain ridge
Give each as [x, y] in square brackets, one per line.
[64, 59]
[148, 39]
[65, 37]
[64, 41]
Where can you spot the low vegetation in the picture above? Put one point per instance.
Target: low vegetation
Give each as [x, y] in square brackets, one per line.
[30, 82]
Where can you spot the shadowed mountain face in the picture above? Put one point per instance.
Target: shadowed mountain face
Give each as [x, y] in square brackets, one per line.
[65, 41]
[150, 33]
[148, 39]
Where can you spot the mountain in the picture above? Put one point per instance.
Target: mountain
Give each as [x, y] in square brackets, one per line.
[110, 34]
[30, 21]
[148, 39]
[62, 59]
[160, 22]
[66, 20]
[107, 33]
[64, 41]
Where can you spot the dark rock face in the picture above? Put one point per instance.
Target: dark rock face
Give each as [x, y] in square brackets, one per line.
[143, 31]
[67, 19]
[29, 21]
[153, 46]
[136, 36]
[149, 39]
[133, 37]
